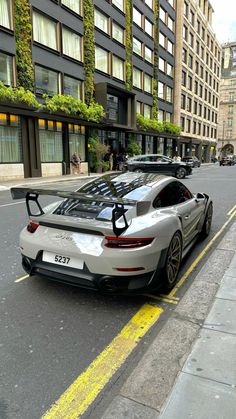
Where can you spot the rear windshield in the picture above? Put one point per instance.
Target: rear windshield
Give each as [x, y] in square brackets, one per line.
[135, 190]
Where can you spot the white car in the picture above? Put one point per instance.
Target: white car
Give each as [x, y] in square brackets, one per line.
[117, 233]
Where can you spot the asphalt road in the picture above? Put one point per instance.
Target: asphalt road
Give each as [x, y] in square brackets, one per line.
[50, 333]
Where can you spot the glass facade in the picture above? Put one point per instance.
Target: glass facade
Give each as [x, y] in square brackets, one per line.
[77, 140]
[10, 143]
[50, 140]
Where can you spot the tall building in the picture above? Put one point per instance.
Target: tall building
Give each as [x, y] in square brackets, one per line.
[56, 56]
[227, 112]
[197, 78]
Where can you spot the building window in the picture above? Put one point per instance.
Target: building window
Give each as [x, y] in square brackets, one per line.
[168, 118]
[162, 14]
[119, 4]
[161, 90]
[137, 78]
[45, 31]
[149, 3]
[161, 64]
[183, 78]
[147, 83]
[184, 56]
[185, 9]
[170, 24]
[71, 44]
[5, 14]
[230, 109]
[169, 94]
[74, 5]
[189, 104]
[101, 59]
[169, 70]
[160, 115]
[137, 17]
[162, 40]
[183, 101]
[170, 47]
[6, 69]
[148, 27]
[139, 107]
[147, 111]
[101, 21]
[77, 140]
[137, 46]
[10, 144]
[117, 32]
[182, 122]
[46, 81]
[50, 140]
[117, 68]
[73, 87]
[148, 54]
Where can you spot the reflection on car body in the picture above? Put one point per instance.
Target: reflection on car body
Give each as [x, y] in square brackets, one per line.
[157, 163]
[117, 233]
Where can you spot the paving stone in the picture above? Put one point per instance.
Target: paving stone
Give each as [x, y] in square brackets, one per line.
[231, 272]
[228, 288]
[198, 398]
[125, 408]
[215, 266]
[154, 376]
[213, 357]
[229, 240]
[222, 316]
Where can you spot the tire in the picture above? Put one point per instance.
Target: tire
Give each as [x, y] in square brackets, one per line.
[180, 173]
[138, 170]
[173, 260]
[206, 228]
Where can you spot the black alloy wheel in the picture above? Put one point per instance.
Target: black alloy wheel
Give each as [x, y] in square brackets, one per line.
[206, 228]
[173, 260]
[180, 173]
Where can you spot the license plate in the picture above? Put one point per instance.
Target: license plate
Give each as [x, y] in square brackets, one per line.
[62, 260]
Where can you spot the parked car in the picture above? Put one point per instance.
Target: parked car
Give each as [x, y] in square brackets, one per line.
[151, 163]
[192, 161]
[117, 233]
[229, 160]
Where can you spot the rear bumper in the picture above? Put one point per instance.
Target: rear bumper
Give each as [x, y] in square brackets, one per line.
[85, 279]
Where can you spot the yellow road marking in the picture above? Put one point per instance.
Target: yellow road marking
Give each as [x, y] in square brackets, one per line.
[84, 390]
[166, 299]
[22, 278]
[232, 210]
[199, 257]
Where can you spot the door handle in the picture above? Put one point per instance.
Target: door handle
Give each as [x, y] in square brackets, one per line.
[186, 217]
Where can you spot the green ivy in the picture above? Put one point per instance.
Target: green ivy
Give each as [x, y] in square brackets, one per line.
[23, 36]
[128, 45]
[73, 107]
[155, 61]
[89, 50]
[18, 95]
[146, 124]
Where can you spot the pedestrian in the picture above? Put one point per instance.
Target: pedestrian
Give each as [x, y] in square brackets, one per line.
[111, 161]
[120, 161]
[76, 162]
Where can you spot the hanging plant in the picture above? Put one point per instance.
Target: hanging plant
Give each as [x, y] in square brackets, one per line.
[149, 125]
[155, 60]
[18, 96]
[23, 36]
[89, 51]
[128, 45]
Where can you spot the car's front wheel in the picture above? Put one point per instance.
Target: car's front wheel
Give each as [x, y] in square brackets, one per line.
[173, 260]
[206, 228]
[180, 173]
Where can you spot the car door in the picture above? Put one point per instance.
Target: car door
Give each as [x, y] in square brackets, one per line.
[160, 164]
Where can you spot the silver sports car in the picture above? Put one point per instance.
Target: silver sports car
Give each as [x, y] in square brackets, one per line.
[125, 232]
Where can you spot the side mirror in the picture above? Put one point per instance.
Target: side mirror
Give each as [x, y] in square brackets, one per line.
[199, 197]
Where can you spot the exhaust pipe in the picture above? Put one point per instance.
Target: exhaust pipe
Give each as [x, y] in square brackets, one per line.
[107, 284]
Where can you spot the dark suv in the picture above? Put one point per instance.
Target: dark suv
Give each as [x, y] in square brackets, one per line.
[160, 164]
[228, 160]
[192, 161]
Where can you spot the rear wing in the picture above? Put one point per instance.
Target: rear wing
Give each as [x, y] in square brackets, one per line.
[32, 195]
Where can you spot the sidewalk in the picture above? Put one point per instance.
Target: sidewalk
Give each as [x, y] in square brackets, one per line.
[189, 371]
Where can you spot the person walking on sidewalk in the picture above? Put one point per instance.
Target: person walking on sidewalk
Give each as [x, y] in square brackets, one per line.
[76, 162]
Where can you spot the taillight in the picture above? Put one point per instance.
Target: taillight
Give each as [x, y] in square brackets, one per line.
[32, 226]
[127, 243]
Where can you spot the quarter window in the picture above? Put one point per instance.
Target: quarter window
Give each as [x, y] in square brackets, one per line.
[71, 44]
[45, 31]
[173, 194]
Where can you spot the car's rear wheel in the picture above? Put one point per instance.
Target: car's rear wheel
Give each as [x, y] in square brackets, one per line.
[138, 170]
[180, 173]
[173, 260]
[206, 228]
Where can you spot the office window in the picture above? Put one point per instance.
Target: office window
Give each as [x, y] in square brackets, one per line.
[5, 14]
[162, 14]
[196, 87]
[137, 46]
[191, 39]
[101, 59]
[183, 101]
[194, 127]
[170, 47]
[162, 40]
[189, 104]
[161, 90]
[185, 9]
[117, 68]
[137, 78]
[192, 17]
[185, 33]
[160, 115]
[182, 122]
[6, 69]
[148, 54]
[183, 78]
[148, 27]
[190, 61]
[170, 24]
[45, 31]
[171, 2]
[77, 140]
[50, 141]
[161, 64]
[149, 3]
[10, 139]
[101, 21]
[73, 87]
[188, 129]
[137, 17]
[190, 82]
[117, 32]
[169, 70]
[168, 117]
[139, 107]
[169, 93]
[184, 56]
[147, 83]
[119, 4]
[46, 81]
[71, 44]
[147, 111]
[74, 5]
